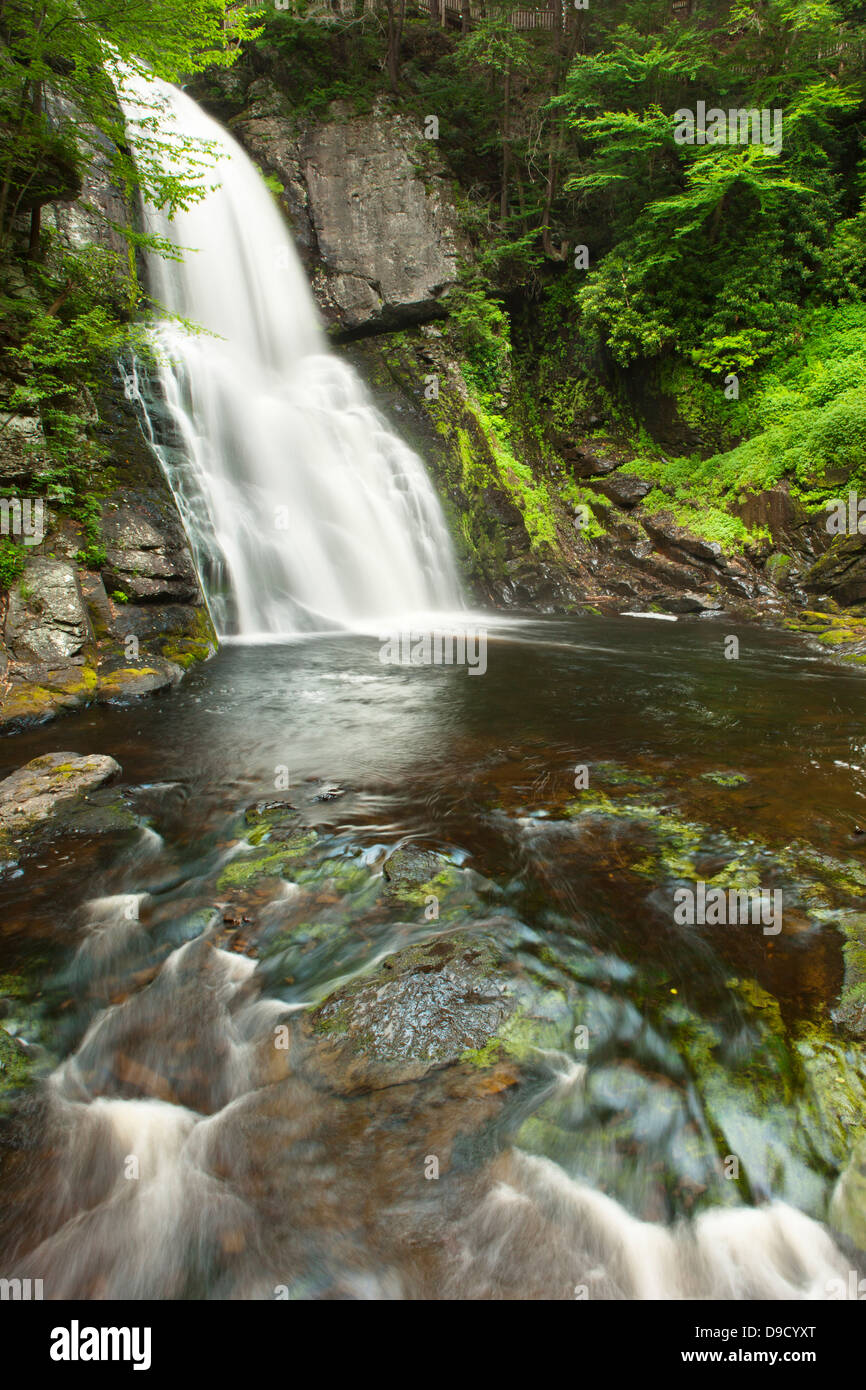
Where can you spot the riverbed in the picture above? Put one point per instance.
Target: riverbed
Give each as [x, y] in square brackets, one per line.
[666, 1112]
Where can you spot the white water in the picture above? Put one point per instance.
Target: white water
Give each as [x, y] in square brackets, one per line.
[303, 510]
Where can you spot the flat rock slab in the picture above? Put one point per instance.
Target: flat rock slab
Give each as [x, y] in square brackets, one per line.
[37, 792]
[132, 682]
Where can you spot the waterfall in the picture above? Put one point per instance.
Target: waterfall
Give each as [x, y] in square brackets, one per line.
[303, 510]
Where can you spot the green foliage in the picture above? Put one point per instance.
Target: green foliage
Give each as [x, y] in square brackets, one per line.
[806, 421]
[709, 250]
[11, 562]
[61, 341]
[480, 329]
[318, 64]
[58, 49]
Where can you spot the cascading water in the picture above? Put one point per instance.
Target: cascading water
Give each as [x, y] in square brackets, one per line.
[303, 510]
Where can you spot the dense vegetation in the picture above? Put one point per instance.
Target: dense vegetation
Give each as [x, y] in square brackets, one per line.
[701, 303]
[623, 280]
[68, 310]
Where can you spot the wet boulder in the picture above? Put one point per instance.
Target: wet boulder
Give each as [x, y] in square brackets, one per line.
[625, 489]
[421, 1009]
[409, 866]
[464, 998]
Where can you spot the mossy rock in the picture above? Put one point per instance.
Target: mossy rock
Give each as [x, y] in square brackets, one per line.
[847, 1213]
[457, 998]
[269, 861]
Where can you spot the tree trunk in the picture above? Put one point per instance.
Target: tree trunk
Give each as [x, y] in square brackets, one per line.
[35, 231]
[465, 16]
[506, 148]
[396, 15]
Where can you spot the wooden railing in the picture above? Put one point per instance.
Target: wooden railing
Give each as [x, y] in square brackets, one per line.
[443, 10]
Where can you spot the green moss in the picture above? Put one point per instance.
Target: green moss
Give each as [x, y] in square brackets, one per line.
[198, 643]
[269, 862]
[25, 702]
[15, 1068]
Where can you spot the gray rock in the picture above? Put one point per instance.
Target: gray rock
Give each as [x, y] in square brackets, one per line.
[92, 218]
[624, 489]
[689, 603]
[588, 465]
[840, 573]
[38, 792]
[409, 866]
[378, 232]
[377, 220]
[669, 536]
[47, 622]
[125, 683]
[22, 448]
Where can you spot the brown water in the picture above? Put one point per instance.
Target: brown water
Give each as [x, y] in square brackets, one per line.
[595, 1169]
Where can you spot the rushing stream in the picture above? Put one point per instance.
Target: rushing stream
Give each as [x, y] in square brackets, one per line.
[174, 1150]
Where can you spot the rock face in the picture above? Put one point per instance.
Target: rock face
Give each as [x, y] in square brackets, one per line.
[71, 635]
[387, 242]
[840, 572]
[23, 452]
[148, 559]
[47, 623]
[372, 213]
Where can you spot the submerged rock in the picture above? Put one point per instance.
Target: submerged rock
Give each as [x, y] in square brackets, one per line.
[422, 1008]
[408, 867]
[465, 998]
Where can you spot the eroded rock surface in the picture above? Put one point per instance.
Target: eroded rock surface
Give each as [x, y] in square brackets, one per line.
[420, 1009]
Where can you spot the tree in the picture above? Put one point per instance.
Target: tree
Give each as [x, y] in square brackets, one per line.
[58, 105]
[709, 249]
[497, 48]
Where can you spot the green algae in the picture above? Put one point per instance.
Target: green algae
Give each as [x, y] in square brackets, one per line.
[269, 862]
